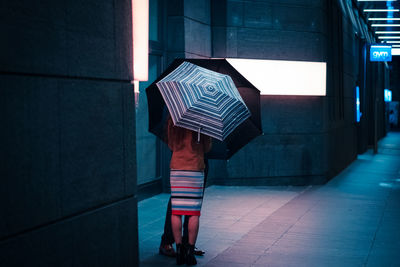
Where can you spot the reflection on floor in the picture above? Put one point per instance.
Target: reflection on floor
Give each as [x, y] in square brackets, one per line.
[353, 220]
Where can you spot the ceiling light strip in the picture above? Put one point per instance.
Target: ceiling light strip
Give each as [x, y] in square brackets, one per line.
[389, 37]
[385, 25]
[387, 32]
[383, 18]
[396, 52]
[381, 10]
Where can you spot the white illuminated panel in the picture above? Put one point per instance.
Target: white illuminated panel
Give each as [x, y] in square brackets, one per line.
[395, 51]
[140, 27]
[281, 77]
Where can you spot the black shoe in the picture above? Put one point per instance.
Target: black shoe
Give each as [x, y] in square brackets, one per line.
[190, 258]
[167, 250]
[180, 254]
[198, 252]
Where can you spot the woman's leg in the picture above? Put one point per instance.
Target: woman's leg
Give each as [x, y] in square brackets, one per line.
[193, 229]
[176, 222]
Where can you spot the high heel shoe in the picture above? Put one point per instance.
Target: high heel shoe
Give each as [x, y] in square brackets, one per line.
[180, 254]
[190, 258]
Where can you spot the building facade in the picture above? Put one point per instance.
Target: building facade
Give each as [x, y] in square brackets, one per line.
[75, 150]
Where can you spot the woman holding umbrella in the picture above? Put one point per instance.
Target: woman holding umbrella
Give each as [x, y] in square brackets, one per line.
[187, 182]
[200, 99]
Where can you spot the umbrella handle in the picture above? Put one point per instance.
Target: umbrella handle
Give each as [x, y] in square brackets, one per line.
[198, 135]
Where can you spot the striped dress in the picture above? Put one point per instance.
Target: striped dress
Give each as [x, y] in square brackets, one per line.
[186, 192]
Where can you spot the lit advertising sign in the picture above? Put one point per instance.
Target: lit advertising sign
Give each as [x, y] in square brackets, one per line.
[283, 77]
[388, 95]
[358, 108]
[380, 53]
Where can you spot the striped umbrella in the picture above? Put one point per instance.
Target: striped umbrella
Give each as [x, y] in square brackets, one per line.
[243, 134]
[203, 100]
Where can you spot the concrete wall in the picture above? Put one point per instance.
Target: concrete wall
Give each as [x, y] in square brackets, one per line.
[293, 147]
[189, 30]
[68, 171]
[394, 80]
[393, 84]
[269, 29]
[343, 71]
[307, 140]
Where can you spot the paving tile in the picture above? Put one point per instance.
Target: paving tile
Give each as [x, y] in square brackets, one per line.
[382, 260]
[239, 249]
[323, 241]
[224, 263]
[242, 258]
[306, 261]
[325, 251]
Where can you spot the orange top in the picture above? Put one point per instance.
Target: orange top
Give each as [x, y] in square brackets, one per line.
[187, 154]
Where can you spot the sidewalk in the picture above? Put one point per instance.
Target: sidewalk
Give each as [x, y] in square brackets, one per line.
[353, 220]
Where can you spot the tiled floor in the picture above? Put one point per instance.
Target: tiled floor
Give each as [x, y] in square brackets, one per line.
[227, 214]
[354, 220]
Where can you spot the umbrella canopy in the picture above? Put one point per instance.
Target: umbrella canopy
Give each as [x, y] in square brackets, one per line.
[202, 100]
[239, 137]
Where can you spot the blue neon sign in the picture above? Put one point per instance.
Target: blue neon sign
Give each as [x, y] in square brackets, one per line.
[388, 95]
[380, 53]
[358, 108]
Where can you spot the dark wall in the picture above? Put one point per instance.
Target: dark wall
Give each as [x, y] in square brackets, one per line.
[307, 140]
[291, 30]
[189, 30]
[343, 71]
[394, 85]
[68, 171]
[394, 81]
[293, 149]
